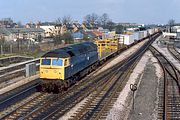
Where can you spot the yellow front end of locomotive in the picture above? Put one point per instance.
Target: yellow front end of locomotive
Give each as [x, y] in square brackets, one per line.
[52, 73]
[52, 68]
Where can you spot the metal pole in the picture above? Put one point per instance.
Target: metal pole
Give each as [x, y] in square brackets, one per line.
[1, 49]
[100, 50]
[133, 88]
[133, 100]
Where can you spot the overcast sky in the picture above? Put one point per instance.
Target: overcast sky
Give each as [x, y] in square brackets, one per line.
[136, 11]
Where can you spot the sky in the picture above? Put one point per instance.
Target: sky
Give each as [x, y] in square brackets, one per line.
[133, 11]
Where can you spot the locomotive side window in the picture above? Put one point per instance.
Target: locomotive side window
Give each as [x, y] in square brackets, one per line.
[46, 61]
[57, 62]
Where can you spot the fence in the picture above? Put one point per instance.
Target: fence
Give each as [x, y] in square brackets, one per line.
[8, 48]
[26, 47]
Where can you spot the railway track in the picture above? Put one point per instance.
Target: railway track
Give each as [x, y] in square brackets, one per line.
[55, 96]
[81, 87]
[58, 97]
[7, 74]
[4, 70]
[5, 61]
[15, 93]
[173, 51]
[169, 94]
[18, 94]
[100, 102]
[57, 105]
[27, 105]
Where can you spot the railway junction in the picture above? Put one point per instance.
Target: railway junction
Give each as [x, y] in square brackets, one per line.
[150, 67]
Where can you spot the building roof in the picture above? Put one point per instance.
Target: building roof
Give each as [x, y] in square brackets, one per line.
[4, 31]
[47, 24]
[97, 33]
[90, 34]
[8, 31]
[24, 30]
[77, 35]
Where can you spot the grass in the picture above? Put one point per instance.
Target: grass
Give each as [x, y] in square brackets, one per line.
[34, 54]
[7, 55]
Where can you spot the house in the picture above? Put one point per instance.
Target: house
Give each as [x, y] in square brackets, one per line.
[85, 35]
[21, 33]
[90, 35]
[176, 28]
[78, 35]
[75, 27]
[49, 30]
[30, 25]
[98, 34]
[7, 23]
[63, 29]
[52, 29]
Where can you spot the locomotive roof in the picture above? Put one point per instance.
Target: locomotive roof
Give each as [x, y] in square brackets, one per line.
[72, 50]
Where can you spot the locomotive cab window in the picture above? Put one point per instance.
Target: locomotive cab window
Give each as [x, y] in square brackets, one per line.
[57, 62]
[46, 61]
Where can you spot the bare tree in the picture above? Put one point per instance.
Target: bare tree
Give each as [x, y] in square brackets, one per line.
[87, 19]
[19, 24]
[110, 25]
[94, 18]
[58, 21]
[103, 20]
[171, 22]
[66, 20]
[91, 19]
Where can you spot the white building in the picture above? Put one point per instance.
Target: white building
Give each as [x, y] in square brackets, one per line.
[53, 30]
[49, 30]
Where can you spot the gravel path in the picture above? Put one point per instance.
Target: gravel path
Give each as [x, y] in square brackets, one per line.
[146, 97]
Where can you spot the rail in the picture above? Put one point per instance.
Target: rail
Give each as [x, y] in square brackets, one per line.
[63, 105]
[57, 105]
[171, 90]
[173, 51]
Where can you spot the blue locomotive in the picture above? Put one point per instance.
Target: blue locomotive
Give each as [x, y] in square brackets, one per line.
[63, 66]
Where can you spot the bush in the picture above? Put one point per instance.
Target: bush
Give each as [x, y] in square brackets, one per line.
[65, 37]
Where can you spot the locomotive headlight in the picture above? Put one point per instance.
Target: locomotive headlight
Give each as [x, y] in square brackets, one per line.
[46, 71]
[55, 71]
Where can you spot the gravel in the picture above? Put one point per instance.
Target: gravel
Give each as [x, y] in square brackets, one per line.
[165, 52]
[146, 70]
[146, 99]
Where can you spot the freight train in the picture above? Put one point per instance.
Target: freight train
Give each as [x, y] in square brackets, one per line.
[60, 68]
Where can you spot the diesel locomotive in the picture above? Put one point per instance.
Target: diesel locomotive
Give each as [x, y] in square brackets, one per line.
[61, 67]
